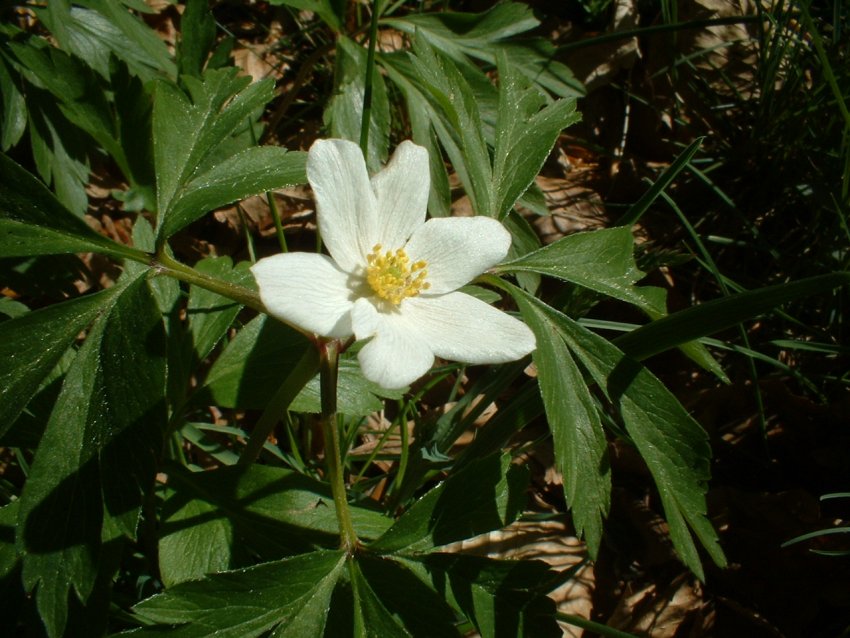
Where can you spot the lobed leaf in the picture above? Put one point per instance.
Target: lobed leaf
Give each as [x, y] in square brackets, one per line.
[461, 134]
[525, 135]
[581, 450]
[292, 595]
[197, 166]
[600, 260]
[673, 445]
[97, 457]
[33, 222]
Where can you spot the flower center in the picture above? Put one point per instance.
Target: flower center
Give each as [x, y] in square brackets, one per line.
[393, 277]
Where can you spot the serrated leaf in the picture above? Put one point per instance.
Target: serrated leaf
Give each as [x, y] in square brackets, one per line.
[97, 35]
[461, 134]
[252, 171]
[483, 35]
[293, 594]
[97, 456]
[483, 496]
[526, 131]
[191, 151]
[33, 222]
[195, 540]
[78, 92]
[601, 260]
[34, 343]
[673, 445]
[271, 511]
[581, 450]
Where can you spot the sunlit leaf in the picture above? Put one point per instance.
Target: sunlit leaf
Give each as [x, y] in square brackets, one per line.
[292, 595]
[33, 222]
[34, 343]
[673, 445]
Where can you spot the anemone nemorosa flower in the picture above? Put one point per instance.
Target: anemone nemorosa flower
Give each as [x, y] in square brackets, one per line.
[391, 276]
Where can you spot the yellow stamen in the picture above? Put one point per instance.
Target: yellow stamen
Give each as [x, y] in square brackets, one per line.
[393, 277]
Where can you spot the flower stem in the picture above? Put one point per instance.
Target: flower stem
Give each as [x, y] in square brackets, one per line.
[367, 84]
[328, 372]
[167, 265]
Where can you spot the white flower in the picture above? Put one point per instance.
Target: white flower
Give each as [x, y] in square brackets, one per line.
[392, 277]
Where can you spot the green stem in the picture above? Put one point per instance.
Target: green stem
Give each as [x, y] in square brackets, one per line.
[278, 224]
[297, 378]
[367, 85]
[167, 265]
[328, 372]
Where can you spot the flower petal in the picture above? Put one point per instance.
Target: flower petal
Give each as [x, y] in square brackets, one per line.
[306, 290]
[396, 356]
[345, 204]
[401, 190]
[457, 249]
[459, 327]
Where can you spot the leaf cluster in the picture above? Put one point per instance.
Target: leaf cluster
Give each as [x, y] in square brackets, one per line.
[133, 488]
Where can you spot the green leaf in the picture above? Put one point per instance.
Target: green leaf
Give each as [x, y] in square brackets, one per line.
[450, 94]
[484, 35]
[666, 178]
[97, 457]
[423, 134]
[252, 171]
[270, 511]
[104, 29]
[719, 314]
[78, 92]
[195, 540]
[502, 597]
[525, 135]
[581, 450]
[292, 595]
[249, 370]
[34, 343]
[392, 601]
[524, 240]
[14, 116]
[197, 36]
[211, 315]
[344, 114]
[485, 495]
[191, 150]
[601, 260]
[33, 222]
[673, 445]
[356, 395]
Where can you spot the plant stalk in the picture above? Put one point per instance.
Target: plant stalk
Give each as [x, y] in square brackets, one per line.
[367, 84]
[166, 265]
[328, 371]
